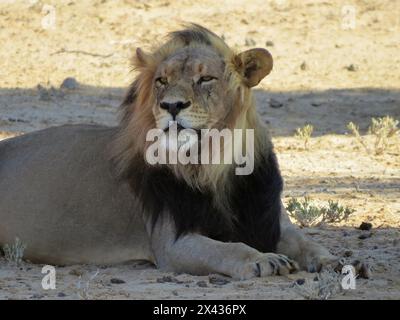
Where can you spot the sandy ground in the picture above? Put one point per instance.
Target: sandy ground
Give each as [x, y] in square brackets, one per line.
[328, 71]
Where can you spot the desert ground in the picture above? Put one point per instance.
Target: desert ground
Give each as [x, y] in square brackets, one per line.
[334, 62]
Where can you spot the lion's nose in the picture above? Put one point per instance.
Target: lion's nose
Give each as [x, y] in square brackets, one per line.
[175, 107]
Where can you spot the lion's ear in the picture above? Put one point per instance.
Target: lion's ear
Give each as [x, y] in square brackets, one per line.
[141, 58]
[254, 65]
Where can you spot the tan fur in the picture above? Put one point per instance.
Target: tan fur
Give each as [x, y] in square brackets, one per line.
[60, 194]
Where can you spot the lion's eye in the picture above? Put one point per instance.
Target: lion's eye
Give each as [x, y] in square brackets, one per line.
[205, 79]
[161, 81]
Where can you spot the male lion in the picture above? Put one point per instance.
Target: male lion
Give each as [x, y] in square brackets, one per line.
[86, 194]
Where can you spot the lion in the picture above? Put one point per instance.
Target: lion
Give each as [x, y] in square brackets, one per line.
[85, 194]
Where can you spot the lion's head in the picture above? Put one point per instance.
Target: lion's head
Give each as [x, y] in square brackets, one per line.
[196, 80]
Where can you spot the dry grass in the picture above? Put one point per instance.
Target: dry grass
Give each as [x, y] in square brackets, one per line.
[14, 253]
[304, 134]
[323, 287]
[383, 129]
[83, 287]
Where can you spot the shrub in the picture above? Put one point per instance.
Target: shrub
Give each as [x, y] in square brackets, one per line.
[304, 212]
[304, 134]
[383, 129]
[326, 285]
[14, 252]
[308, 215]
[335, 212]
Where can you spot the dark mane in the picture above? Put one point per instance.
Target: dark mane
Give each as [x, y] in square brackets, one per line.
[254, 202]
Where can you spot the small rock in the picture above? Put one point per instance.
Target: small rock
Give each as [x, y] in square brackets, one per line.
[168, 279]
[69, 84]
[348, 253]
[202, 284]
[300, 282]
[16, 120]
[117, 281]
[269, 43]
[218, 280]
[303, 66]
[61, 295]
[365, 226]
[275, 104]
[351, 68]
[316, 103]
[362, 269]
[175, 293]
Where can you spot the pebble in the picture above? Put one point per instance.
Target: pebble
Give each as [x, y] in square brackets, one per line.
[275, 104]
[362, 269]
[365, 226]
[348, 253]
[117, 281]
[351, 68]
[316, 103]
[202, 284]
[69, 84]
[218, 280]
[168, 279]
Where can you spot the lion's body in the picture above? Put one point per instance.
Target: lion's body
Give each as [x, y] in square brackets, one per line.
[59, 196]
[86, 194]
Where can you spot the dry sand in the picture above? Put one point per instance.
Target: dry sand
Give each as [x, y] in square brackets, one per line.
[327, 72]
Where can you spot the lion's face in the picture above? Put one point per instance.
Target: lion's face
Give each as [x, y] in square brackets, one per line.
[189, 88]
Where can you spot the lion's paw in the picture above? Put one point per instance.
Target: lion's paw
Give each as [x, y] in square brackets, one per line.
[315, 258]
[321, 262]
[267, 264]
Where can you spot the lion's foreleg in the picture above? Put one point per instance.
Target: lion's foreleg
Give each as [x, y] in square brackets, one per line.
[196, 254]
